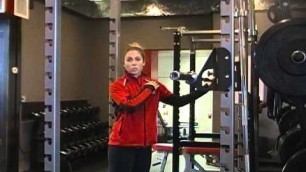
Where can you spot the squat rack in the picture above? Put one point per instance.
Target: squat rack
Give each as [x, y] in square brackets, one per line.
[226, 109]
[227, 129]
[228, 113]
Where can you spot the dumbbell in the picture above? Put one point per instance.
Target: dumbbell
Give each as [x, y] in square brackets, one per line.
[38, 115]
[65, 117]
[89, 129]
[65, 137]
[69, 153]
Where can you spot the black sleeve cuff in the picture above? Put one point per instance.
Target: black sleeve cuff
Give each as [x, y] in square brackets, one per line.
[151, 87]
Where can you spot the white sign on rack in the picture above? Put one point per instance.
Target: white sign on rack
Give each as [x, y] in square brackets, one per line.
[2, 6]
[21, 8]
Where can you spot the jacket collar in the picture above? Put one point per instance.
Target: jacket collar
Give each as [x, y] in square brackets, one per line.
[139, 79]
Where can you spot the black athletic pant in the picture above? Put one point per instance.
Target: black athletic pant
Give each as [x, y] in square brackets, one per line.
[129, 159]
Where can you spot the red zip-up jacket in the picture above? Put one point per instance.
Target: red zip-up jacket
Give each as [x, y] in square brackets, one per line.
[136, 109]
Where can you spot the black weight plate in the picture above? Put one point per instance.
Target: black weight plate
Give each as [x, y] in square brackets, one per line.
[281, 112]
[296, 163]
[275, 13]
[273, 57]
[293, 64]
[288, 120]
[289, 143]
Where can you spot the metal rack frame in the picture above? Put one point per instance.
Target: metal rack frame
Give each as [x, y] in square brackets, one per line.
[227, 99]
[114, 47]
[52, 84]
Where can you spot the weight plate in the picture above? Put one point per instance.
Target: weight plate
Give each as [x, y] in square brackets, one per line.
[281, 112]
[288, 120]
[280, 57]
[296, 163]
[289, 143]
[275, 13]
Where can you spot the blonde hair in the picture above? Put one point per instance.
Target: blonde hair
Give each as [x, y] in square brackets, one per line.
[136, 46]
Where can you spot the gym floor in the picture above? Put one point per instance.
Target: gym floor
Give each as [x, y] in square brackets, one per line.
[99, 164]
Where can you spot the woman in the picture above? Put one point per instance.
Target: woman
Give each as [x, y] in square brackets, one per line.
[136, 97]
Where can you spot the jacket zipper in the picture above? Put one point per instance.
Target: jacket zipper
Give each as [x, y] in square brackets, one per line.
[120, 129]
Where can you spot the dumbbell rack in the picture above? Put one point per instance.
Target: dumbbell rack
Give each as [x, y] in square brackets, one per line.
[82, 134]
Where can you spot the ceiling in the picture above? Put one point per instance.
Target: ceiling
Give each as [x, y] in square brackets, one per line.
[138, 8]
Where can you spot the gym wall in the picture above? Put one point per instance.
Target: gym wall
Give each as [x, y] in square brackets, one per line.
[84, 51]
